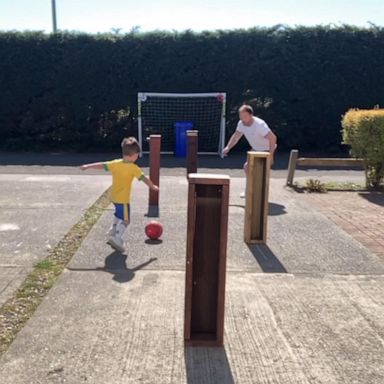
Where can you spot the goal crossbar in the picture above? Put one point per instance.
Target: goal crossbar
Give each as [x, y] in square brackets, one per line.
[156, 94]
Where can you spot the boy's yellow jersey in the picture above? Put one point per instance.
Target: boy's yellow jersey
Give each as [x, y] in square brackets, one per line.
[123, 174]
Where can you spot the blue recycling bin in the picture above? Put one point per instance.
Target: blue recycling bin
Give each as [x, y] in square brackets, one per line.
[181, 128]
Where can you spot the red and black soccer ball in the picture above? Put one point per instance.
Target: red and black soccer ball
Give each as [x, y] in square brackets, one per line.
[153, 230]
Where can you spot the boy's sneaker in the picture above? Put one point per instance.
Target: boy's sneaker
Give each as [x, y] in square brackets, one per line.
[116, 243]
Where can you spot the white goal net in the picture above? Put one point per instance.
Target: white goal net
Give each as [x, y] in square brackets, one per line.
[162, 113]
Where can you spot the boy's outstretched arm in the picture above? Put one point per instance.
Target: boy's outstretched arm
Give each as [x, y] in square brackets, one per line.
[149, 183]
[84, 167]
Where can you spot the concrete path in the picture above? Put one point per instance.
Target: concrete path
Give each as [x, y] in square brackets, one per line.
[300, 239]
[36, 211]
[306, 309]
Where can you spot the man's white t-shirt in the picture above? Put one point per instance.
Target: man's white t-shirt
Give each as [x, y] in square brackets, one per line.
[255, 134]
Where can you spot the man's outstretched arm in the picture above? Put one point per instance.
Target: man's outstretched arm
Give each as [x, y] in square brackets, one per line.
[232, 142]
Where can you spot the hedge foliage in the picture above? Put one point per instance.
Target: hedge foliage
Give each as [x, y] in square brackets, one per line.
[363, 130]
[79, 91]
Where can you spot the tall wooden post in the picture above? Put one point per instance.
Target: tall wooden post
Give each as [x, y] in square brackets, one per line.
[192, 145]
[154, 167]
[207, 233]
[256, 198]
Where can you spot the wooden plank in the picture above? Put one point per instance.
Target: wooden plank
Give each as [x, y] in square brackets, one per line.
[292, 166]
[154, 167]
[256, 177]
[267, 173]
[330, 162]
[256, 199]
[248, 201]
[206, 260]
[201, 341]
[207, 232]
[222, 264]
[189, 262]
[192, 149]
[207, 178]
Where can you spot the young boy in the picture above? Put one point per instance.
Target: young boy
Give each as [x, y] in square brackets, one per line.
[123, 172]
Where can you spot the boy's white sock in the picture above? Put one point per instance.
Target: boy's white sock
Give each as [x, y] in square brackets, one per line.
[121, 226]
[112, 230]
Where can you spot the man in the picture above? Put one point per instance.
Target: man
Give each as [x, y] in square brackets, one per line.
[256, 131]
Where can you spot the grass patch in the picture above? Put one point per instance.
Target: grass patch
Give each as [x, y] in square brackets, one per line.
[344, 186]
[316, 186]
[21, 306]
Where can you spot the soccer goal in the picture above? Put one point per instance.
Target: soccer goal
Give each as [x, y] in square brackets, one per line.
[162, 113]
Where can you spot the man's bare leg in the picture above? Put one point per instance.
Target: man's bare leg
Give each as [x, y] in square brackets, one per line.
[245, 167]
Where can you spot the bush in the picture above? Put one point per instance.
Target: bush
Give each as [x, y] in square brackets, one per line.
[363, 130]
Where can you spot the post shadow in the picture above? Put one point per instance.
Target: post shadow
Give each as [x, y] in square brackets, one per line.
[373, 197]
[206, 365]
[267, 260]
[274, 209]
[115, 264]
[153, 211]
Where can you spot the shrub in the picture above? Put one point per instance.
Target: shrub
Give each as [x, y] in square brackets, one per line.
[363, 130]
[315, 186]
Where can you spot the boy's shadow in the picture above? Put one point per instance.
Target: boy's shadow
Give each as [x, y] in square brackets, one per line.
[115, 263]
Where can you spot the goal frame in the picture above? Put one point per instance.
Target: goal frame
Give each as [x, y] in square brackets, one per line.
[142, 95]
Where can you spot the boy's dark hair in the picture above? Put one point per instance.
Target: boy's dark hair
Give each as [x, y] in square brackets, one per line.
[130, 146]
[246, 108]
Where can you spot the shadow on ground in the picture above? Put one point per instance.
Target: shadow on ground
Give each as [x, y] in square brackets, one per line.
[153, 211]
[267, 260]
[115, 264]
[373, 197]
[274, 209]
[207, 365]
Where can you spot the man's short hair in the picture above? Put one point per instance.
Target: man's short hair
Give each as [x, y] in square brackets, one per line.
[246, 108]
[130, 146]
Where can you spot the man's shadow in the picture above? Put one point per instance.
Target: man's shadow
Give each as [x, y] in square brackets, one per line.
[115, 264]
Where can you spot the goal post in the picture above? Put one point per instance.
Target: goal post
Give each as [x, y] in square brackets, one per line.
[161, 113]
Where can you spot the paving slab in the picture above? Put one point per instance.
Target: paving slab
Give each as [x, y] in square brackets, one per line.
[36, 211]
[279, 329]
[358, 213]
[11, 277]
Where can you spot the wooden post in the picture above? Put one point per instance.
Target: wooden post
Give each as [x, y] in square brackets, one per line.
[256, 198]
[292, 166]
[154, 167]
[207, 233]
[192, 145]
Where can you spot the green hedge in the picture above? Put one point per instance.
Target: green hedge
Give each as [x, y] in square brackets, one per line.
[78, 91]
[363, 130]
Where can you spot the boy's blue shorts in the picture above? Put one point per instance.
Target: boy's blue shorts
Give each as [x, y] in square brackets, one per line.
[122, 211]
